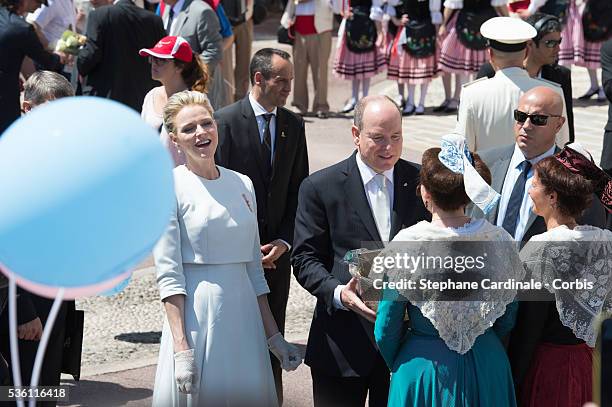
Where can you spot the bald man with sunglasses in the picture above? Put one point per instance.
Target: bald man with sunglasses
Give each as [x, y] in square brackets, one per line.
[541, 60]
[537, 119]
[486, 105]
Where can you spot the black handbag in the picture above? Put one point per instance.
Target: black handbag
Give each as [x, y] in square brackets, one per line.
[597, 20]
[468, 27]
[285, 36]
[360, 31]
[420, 39]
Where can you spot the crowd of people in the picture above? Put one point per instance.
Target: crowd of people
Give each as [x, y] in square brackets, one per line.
[510, 173]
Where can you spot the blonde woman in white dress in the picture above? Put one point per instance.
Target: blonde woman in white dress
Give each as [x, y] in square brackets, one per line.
[218, 328]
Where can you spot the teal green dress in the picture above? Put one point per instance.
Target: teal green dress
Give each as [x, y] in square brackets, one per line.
[425, 372]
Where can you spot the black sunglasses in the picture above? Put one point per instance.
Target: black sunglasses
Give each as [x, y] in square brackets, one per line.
[552, 43]
[536, 119]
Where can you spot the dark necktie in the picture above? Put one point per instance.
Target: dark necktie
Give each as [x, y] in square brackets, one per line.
[516, 199]
[170, 17]
[266, 144]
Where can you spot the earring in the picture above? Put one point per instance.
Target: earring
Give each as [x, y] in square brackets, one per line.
[178, 151]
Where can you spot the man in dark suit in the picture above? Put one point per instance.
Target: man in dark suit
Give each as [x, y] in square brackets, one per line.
[18, 39]
[510, 171]
[260, 138]
[541, 61]
[110, 59]
[368, 197]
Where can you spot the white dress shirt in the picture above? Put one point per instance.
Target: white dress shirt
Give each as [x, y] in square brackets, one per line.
[305, 8]
[259, 111]
[514, 171]
[370, 187]
[54, 19]
[178, 6]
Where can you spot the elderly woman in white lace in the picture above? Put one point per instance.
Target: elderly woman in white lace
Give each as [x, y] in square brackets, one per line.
[551, 347]
[452, 353]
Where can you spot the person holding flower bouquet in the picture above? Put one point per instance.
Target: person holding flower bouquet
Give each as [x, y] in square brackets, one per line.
[54, 19]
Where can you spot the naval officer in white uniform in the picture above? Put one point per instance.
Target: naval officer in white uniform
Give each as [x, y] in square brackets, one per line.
[487, 105]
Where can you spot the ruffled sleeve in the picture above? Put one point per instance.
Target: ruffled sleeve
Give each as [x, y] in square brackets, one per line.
[453, 4]
[376, 11]
[434, 10]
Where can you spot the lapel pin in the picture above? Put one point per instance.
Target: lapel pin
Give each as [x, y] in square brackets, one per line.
[246, 200]
[405, 184]
[283, 134]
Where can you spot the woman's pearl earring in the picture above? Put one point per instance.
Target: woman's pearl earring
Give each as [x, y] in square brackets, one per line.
[177, 148]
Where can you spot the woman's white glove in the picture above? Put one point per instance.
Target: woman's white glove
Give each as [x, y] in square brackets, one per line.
[185, 371]
[288, 354]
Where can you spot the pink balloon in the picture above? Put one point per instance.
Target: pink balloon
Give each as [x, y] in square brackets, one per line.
[69, 293]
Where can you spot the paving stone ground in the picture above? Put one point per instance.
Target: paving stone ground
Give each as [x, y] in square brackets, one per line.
[122, 332]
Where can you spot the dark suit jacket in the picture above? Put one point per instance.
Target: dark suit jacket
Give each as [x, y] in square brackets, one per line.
[17, 39]
[240, 150]
[334, 217]
[554, 73]
[498, 161]
[110, 59]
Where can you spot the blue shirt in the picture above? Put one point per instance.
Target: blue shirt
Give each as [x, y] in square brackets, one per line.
[226, 27]
[514, 171]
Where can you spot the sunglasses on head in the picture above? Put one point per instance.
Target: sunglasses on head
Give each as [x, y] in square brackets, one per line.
[536, 119]
[552, 43]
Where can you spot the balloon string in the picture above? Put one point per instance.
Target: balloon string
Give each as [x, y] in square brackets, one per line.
[40, 353]
[15, 365]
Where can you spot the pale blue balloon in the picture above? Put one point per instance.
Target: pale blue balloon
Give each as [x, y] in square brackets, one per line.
[118, 288]
[86, 191]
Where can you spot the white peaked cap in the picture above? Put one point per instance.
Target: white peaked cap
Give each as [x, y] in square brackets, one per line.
[507, 30]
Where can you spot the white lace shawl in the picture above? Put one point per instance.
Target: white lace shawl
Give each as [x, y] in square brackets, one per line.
[584, 253]
[459, 323]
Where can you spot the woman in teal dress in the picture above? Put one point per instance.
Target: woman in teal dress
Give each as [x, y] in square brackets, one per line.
[452, 354]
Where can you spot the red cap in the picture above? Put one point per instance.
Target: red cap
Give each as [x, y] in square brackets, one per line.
[170, 47]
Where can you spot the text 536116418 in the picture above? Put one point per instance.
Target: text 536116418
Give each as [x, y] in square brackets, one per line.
[39, 393]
